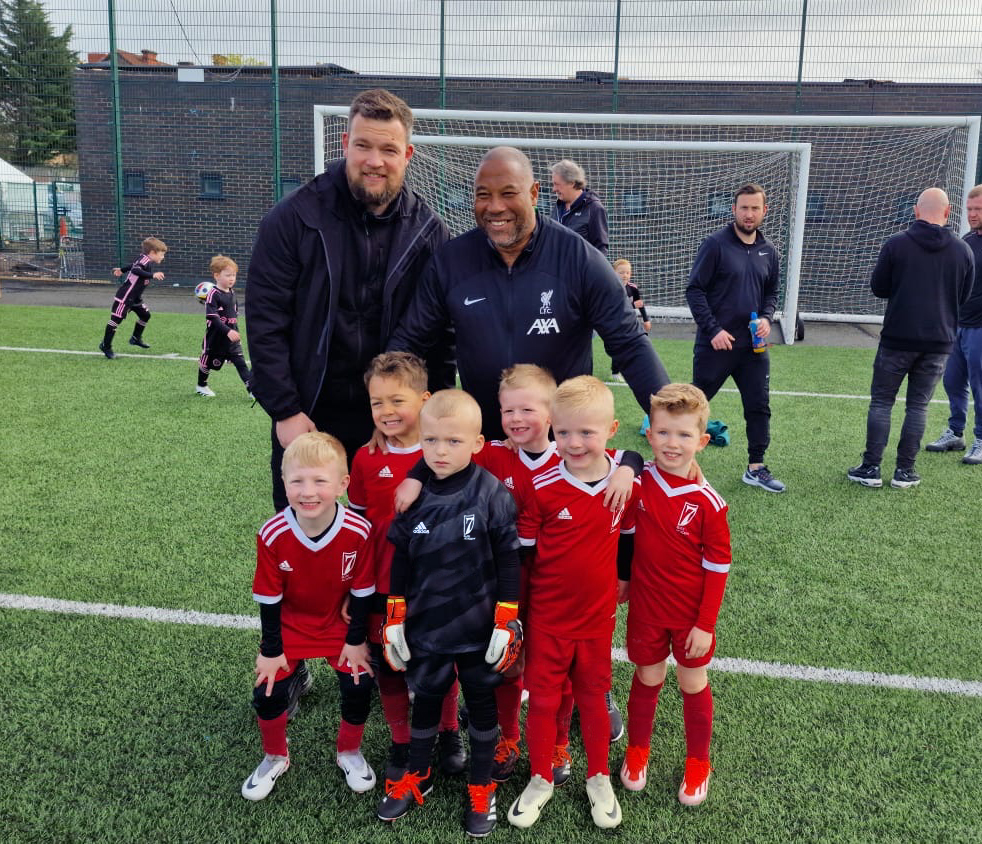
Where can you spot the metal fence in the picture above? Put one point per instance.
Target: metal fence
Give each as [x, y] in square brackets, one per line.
[782, 56]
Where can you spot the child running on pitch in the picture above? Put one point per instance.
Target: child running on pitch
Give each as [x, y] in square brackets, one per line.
[396, 383]
[310, 557]
[222, 339]
[676, 582]
[129, 296]
[572, 596]
[452, 610]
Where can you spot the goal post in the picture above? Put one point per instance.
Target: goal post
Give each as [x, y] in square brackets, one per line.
[865, 175]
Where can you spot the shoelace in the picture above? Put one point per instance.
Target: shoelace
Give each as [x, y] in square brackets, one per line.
[696, 771]
[481, 797]
[409, 784]
[560, 756]
[504, 749]
[636, 758]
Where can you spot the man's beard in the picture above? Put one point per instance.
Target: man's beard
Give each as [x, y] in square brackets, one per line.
[373, 200]
[744, 229]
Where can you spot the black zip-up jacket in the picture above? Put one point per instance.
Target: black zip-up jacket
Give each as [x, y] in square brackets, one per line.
[294, 278]
[587, 217]
[926, 275]
[541, 310]
[729, 280]
[970, 315]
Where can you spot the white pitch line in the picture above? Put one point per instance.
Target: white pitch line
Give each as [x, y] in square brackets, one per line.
[792, 393]
[727, 665]
[168, 356]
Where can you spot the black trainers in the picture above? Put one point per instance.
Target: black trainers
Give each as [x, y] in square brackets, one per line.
[398, 761]
[107, 351]
[401, 794]
[450, 751]
[614, 714]
[762, 477]
[562, 765]
[866, 474]
[904, 478]
[300, 683]
[505, 759]
[138, 341]
[482, 813]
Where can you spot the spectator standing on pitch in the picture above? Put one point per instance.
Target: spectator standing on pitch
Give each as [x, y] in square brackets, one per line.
[963, 373]
[734, 275]
[334, 266]
[129, 296]
[222, 339]
[925, 273]
[520, 288]
[577, 207]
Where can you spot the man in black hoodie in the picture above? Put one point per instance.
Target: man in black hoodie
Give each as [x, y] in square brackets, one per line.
[577, 207]
[333, 268]
[925, 274]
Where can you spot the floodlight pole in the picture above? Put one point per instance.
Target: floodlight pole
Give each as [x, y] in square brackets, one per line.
[801, 56]
[617, 56]
[117, 130]
[276, 101]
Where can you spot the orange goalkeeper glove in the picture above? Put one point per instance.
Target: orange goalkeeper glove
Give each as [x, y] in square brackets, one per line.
[394, 634]
[506, 638]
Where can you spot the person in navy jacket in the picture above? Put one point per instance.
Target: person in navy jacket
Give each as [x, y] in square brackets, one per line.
[520, 288]
[735, 274]
[577, 207]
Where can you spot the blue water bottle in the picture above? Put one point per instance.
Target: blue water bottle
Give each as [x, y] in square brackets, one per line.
[759, 344]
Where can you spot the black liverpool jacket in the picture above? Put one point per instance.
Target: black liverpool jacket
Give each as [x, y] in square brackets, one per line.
[292, 289]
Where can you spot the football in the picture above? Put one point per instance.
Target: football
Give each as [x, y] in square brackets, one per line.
[203, 289]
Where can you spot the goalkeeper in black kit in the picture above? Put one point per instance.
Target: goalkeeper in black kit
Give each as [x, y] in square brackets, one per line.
[453, 603]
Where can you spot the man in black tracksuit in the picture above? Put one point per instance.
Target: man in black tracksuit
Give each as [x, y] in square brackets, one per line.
[736, 273]
[577, 207]
[926, 274]
[520, 288]
[333, 267]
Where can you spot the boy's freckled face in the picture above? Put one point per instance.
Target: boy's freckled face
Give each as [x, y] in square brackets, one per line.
[395, 407]
[448, 443]
[225, 279]
[581, 440]
[313, 491]
[675, 440]
[524, 416]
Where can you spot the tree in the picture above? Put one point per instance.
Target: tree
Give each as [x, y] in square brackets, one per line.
[235, 60]
[36, 102]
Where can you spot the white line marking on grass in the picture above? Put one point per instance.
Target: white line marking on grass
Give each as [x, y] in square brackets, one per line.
[792, 394]
[168, 356]
[728, 665]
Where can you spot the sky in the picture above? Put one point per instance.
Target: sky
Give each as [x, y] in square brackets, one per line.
[901, 40]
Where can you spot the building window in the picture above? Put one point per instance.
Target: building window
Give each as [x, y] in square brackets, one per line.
[635, 202]
[134, 184]
[289, 185]
[815, 209]
[211, 186]
[720, 204]
[904, 211]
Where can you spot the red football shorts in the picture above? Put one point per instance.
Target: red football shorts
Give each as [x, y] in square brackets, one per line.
[549, 660]
[649, 644]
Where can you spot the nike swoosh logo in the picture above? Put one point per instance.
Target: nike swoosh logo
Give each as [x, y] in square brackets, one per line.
[252, 783]
[612, 814]
[474, 301]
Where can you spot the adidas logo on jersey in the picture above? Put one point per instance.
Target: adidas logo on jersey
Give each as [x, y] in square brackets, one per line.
[564, 514]
[421, 528]
[385, 472]
[285, 566]
[509, 482]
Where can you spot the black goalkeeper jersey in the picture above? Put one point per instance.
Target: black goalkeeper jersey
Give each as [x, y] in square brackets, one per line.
[456, 554]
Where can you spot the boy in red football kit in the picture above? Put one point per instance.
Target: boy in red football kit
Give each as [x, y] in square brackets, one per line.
[396, 383]
[675, 584]
[572, 596]
[310, 557]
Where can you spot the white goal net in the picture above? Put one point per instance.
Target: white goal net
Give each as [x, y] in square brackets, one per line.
[865, 174]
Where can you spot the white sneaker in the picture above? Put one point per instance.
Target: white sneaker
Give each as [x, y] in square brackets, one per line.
[527, 807]
[357, 772]
[604, 808]
[205, 391]
[262, 780]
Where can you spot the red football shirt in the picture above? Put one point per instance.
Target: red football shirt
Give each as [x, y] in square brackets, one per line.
[374, 478]
[573, 581]
[681, 536]
[312, 579]
[515, 469]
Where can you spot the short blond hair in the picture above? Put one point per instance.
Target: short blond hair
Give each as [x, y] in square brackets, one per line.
[405, 367]
[221, 262]
[974, 192]
[315, 448]
[455, 404]
[676, 399]
[528, 376]
[153, 244]
[584, 392]
[622, 262]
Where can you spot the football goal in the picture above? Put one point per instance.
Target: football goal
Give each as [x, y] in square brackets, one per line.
[865, 175]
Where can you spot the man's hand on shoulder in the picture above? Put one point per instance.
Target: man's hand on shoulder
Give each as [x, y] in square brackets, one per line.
[287, 430]
[723, 341]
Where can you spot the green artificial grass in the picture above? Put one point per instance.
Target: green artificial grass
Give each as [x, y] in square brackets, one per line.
[122, 486]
